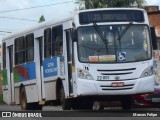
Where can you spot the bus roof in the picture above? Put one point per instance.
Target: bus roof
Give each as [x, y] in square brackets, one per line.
[99, 9]
[38, 26]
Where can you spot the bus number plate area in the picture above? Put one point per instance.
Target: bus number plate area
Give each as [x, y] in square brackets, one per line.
[117, 84]
[102, 77]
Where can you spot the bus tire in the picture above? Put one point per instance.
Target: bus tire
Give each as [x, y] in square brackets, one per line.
[66, 103]
[23, 100]
[25, 105]
[126, 102]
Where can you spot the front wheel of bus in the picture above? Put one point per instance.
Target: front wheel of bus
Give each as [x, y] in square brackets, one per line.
[66, 103]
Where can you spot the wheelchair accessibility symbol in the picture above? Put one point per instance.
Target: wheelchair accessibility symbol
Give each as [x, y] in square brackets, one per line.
[121, 56]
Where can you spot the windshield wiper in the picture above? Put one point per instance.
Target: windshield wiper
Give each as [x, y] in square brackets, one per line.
[102, 36]
[123, 33]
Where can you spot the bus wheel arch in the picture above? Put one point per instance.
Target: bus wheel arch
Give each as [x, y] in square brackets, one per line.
[23, 101]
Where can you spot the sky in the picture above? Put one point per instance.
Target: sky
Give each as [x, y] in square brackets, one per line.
[54, 9]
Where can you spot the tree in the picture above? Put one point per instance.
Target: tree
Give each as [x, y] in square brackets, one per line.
[89, 4]
[41, 19]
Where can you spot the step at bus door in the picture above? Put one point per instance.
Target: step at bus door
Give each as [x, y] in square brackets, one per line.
[11, 80]
[69, 61]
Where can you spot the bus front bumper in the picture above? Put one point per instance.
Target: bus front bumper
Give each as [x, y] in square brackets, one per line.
[137, 86]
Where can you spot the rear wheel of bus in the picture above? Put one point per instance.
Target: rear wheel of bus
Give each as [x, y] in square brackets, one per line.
[25, 105]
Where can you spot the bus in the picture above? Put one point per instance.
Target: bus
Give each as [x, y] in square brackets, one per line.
[92, 55]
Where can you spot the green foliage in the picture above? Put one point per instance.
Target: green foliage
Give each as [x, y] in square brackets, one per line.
[1, 98]
[4, 77]
[89, 4]
[41, 19]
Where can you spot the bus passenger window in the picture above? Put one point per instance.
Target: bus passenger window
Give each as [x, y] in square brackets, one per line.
[29, 48]
[19, 50]
[47, 43]
[4, 55]
[57, 41]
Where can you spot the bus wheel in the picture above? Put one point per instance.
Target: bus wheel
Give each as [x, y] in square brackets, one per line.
[25, 105]
[66, 103]
[126, 102]
[23, 99]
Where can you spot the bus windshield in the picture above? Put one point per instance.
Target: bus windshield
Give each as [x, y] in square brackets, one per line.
[133, 46]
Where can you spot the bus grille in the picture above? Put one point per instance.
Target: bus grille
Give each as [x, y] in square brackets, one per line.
[116, 71]
[125, 87]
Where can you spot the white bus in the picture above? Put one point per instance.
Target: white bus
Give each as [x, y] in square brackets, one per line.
[93, 55]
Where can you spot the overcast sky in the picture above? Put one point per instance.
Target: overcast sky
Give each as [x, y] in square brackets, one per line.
[55, 9]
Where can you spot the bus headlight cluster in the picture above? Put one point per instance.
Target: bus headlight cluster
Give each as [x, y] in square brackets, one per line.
[148, 72]
[83, 74]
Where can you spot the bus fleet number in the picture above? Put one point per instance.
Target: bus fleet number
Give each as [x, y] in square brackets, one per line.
[102, 77]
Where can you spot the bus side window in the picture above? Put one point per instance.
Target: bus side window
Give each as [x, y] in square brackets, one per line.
[4, 55]
[30, 48]
[154, 39]
[57, 41]
[47, 43]
[19, 50]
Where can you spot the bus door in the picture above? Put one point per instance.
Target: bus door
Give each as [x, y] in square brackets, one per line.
[40, 69]
[11, 80]
[69, 61]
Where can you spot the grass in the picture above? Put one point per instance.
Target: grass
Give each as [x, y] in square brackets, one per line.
[1, 98]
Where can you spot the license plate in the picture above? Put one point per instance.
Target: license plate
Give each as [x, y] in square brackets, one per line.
[117, 84]
[155, 100]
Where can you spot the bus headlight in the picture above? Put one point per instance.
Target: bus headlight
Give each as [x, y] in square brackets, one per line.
[148, 72]
[83, 74]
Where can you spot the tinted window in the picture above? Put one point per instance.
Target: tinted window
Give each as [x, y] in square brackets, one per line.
[4, 55]
[29, 48]
[19, 50]
[57, 40]
[47, 43]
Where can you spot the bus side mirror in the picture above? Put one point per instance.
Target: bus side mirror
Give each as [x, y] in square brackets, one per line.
[154, 38]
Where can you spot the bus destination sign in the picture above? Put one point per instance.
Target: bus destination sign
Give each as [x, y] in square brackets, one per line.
[111, 16]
